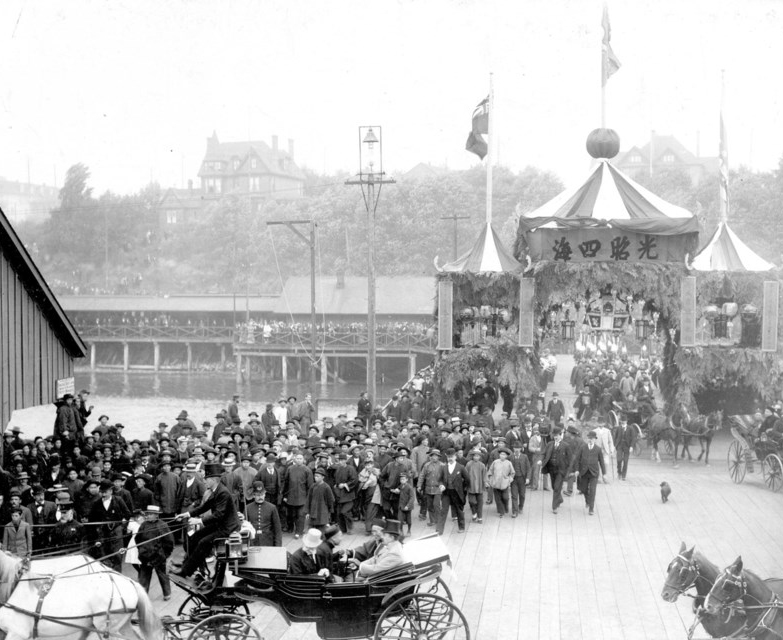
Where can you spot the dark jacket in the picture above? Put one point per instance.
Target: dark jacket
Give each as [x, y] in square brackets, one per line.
[297, 482]
[521, 467]
[624, 439]
[458, 481]
[223, 517]
[273, 482]
[557, 459]
[154, 543]
[588, 460]
[302, 564]
[266, 521]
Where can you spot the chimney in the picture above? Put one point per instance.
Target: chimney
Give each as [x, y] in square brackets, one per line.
[274, 144]
[291, 148]
[190, 187]
[212, 141]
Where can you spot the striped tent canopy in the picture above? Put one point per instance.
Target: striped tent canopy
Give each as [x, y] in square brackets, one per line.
[487, 255]
[726, 252]
[610, 198]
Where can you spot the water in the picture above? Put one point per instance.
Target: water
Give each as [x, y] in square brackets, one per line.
[142, 399]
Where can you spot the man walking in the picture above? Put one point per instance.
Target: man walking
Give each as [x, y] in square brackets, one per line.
[605, 443]
[624, 440]
[521, 478]
[587, 464]
[456, 487]
[557, 460]
[432, 481]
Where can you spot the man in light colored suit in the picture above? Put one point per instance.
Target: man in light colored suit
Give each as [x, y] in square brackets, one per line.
[605, 443]
[587, 463]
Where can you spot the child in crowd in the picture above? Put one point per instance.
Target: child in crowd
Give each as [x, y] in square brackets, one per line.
[407, 501]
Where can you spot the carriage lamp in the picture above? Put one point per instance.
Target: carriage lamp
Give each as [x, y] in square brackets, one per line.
[245, 535]
[234, 546]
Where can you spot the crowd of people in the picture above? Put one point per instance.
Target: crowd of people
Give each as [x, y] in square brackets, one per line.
[285, 473]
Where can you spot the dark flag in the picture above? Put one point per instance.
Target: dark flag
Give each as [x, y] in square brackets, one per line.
[476, 143]
[609, 62]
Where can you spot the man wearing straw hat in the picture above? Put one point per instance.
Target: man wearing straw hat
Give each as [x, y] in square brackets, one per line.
[155, 544]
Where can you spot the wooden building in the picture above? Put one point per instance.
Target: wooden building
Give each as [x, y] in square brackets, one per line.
[37, 340]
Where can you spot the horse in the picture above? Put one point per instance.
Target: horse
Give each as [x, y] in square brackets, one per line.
[702, 427]
[691, 569]
[72, 604]
[761, 603]
[659, 428]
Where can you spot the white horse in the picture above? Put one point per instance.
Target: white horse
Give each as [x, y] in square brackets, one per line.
[72, 598]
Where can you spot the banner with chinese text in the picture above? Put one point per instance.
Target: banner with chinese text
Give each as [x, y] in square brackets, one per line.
[604, 244]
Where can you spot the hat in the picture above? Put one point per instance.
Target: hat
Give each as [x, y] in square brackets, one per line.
[592, 434]
[320, 471]
[451, 451]
[394, 527]
[312, 538]
[517, 444]
[504, 450]
[144, 476]
[16, 492]
[573, 430]
[213, 470]
[23, 476]
[402, 450]
[404, 474]
[271, 457]
[258, 487]
[152, 508]
[342, 456]
[183, 415]
[88, 482]
[557, 431]
[65, 504]
[106, 485]
[478, 452]
[16, 430]
[191, 467]
[67, 396]
[433, 452]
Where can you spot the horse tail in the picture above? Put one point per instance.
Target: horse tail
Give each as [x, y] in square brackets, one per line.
[150, 625]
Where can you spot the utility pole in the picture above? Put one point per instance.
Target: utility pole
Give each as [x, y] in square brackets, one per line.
[370, 176]
[455, 217]
[310, 243]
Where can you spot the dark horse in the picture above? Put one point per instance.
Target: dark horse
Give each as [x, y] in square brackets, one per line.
[659, 429]
[689, 569]
[763, 608]
[701, 427]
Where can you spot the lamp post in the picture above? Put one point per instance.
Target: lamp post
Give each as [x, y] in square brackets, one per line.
[371, 179]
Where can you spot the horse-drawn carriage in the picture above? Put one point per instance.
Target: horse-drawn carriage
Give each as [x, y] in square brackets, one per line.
[408, 601]
[749, 450]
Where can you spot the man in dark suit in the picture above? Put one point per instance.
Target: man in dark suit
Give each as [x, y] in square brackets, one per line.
[588, 462]
[219, 523]
[43, 512]
[111, 511]
[624, 440]
[296, 484]
[521, 478]
[556, 462]
[264, 518]
[311, 559]
[456, 483]
[270, 476]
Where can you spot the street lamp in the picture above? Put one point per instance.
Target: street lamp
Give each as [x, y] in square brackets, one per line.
[371, 179]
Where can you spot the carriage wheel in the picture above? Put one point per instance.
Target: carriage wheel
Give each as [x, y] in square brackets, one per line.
[613, 420]
[772, 468]
[736, 460]
[422, 615]
[195, 609]
[438, 587]
[225, 626]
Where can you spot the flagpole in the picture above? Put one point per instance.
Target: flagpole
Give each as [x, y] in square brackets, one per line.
[490, 127]
[724, 157]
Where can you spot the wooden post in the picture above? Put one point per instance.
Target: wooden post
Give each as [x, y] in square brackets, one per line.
[284, 368]
[411, 365]
[222, 357]
[93, 355]
[239, 369]
[156, 355]
[125, 356]
[299, 369]
[324, 369]
[190, 355]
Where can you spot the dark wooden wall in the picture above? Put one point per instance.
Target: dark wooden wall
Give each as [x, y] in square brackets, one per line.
[32, 358]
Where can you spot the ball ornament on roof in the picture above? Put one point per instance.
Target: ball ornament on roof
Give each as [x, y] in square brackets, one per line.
[603, 143]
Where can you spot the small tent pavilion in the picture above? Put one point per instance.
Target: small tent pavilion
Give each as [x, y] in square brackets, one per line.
[487, 255]
[726, 252]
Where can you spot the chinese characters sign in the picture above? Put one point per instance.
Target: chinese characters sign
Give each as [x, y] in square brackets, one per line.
[587, 245]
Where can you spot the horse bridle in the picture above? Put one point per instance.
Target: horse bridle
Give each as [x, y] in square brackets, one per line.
[735, 581]
[688, 566]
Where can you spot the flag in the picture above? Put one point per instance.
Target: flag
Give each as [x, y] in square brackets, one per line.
[480, 126]
[609, 62]
[724, 172]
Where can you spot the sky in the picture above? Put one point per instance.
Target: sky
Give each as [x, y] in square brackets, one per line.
[133, 88]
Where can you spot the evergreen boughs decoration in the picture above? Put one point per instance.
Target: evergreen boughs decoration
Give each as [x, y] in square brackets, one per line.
[703, 367]
[476, 289]
[499, 359]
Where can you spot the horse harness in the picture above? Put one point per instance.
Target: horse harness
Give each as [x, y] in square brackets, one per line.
[770, 608]
[43, 591]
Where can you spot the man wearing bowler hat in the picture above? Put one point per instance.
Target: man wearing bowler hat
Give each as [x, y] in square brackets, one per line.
[155, 544]
[219, 523]
[107, 537]
[587, 464]
[387, 555]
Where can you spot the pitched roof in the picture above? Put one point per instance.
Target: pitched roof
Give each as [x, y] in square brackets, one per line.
[726, 252]
[170, 304]
[35, 284]
[182, 198]
[401, 296]
[487, 255]
[225, 152]
[609, 197]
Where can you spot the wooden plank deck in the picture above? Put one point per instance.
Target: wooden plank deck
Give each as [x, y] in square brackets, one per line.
[599, 577]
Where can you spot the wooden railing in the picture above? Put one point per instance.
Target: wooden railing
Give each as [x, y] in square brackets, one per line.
[285, 340]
